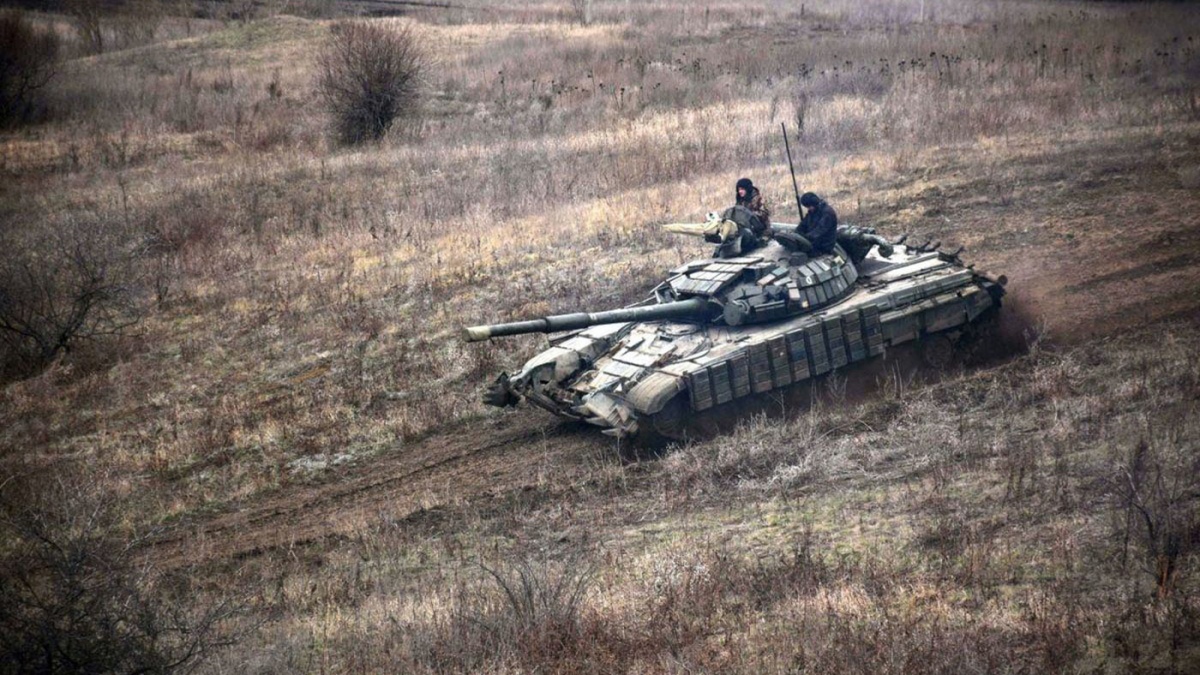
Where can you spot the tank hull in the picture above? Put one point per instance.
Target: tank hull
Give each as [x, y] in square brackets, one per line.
[643, 376]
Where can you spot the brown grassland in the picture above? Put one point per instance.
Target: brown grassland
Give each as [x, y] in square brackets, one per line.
[282, 447]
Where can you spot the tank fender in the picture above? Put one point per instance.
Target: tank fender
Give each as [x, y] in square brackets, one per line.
[607, 409]
[654, 391]
[978, 302]
[566, 362]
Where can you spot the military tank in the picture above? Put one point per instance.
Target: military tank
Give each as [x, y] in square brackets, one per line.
[760, 315]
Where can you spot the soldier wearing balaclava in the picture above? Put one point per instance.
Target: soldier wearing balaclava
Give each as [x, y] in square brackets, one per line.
[749, 197]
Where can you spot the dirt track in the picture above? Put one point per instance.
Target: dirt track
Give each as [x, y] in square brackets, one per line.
[1086, 258]
[458, 466]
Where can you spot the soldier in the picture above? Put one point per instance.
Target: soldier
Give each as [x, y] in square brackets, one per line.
[749, 197]
[819, 225]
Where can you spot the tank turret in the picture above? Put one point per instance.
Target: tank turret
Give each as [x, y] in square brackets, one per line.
[771, 283]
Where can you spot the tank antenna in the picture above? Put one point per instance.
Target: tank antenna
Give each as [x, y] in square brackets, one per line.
[792, 168]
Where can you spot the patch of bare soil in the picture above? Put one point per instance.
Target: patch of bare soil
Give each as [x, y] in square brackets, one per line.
[1104, 256]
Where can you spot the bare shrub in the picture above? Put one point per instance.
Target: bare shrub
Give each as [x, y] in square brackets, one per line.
[581, 11]
[802, 103]
[59, 287]
[368, 77]
[524, 611]
[536, 594]
[87, 16]
[101, 26]
[1154, 488]
[28, 62]
[77, 601]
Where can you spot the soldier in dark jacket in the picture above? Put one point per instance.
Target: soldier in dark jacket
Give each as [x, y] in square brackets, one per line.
[749, 197]
[819, 225]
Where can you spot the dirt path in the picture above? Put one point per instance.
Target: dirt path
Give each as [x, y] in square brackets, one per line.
[466, 463]
[1085, 257]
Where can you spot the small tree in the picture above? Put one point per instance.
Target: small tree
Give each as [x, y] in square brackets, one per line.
[28, 61]
[59, 287]
[368, 77]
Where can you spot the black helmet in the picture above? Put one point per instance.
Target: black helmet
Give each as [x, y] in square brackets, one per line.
[809, 199]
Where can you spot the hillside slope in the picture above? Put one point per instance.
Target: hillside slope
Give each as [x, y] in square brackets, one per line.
[288, 440]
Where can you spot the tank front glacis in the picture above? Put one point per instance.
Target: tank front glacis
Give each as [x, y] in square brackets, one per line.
[770, 321]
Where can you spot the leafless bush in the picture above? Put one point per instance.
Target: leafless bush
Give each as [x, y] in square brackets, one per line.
[77, 601]
[537, 594]
[524, 611]
[137, 23]
[62, 287]
[88, 19]
[368, 77]
[101, 26]
[1155, 488]
[801, 102]
[28, 62]
[581, 10]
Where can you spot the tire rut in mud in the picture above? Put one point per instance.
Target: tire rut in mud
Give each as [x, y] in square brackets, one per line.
[388, 484]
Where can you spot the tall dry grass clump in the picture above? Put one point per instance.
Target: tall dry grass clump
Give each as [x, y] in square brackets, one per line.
[369, 77]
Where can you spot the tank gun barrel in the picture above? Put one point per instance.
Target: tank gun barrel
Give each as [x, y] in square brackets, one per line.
[694, 308]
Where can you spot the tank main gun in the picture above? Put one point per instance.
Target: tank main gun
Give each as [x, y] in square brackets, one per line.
[692, 308]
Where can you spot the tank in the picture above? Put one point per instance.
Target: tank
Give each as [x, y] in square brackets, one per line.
[760, 315]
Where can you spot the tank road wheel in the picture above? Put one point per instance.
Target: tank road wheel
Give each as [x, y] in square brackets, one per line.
[670, 423]
[658, 431]
[677, 423]
[937, 351]
[981, 339]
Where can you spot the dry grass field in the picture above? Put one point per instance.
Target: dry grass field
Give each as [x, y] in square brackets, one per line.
[283, 445]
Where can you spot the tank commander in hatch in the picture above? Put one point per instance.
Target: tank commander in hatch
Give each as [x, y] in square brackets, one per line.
[819, 225]
[749, 197]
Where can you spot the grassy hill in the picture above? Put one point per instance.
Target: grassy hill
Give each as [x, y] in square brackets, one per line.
[290, 428]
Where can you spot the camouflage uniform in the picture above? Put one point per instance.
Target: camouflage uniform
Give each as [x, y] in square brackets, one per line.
[756, 204]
